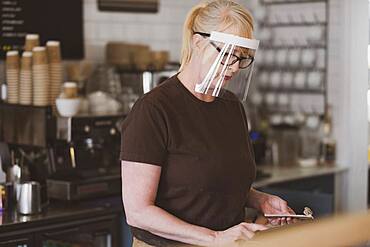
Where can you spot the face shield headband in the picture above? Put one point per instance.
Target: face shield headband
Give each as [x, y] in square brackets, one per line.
[229, 72]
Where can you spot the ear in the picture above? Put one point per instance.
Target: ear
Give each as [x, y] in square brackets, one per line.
[196, 41]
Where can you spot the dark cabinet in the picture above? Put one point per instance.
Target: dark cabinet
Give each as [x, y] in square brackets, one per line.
[90, 223]
[97, 234]
[98, 231]
[18, 241]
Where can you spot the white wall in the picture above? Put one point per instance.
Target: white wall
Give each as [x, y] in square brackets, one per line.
[348, 82]
[162, 30]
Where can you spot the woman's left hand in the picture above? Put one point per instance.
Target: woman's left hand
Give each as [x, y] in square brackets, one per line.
[270, 204]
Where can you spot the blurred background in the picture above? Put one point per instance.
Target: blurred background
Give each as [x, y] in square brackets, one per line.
[69, 77]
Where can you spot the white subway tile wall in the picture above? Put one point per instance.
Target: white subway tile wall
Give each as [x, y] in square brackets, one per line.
[162, 30]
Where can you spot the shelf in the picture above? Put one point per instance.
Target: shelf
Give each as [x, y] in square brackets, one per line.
[274, 2]
[171, 66]
[47, 108]
[291, 90]
[136, 71]
[285, 68]
[311, 46]
[294, 24]
[275, 109]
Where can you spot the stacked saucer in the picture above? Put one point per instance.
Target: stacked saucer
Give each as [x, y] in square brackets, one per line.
[40, 74]
[55, 69]
[25, 80]
[12, 76]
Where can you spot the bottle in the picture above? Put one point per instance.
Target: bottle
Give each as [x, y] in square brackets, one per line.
[328, 143]
[2, 198]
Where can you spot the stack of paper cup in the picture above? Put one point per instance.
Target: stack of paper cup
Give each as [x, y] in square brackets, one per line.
[32, 41]
[25, 82]
[55, 69]
[40, 74]
[12, 76]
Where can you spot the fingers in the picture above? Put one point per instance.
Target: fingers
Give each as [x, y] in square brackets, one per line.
[289, 220]
[275, 221]
[283, 221]
[280, 221]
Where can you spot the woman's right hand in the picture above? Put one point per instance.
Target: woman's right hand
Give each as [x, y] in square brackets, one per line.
[243, 231]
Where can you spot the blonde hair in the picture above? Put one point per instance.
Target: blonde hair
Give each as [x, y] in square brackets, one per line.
[215, 15]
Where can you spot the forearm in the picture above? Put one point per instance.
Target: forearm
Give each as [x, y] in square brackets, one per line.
[164, 224]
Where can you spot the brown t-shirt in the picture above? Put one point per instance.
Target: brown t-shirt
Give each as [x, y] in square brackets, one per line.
[203, 149]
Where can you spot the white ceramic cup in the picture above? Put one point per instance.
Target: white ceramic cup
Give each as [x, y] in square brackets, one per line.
[300, 80]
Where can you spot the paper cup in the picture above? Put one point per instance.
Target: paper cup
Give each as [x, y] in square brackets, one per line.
[70, 90]
[53, 50]
[32, 41]
[39, 56]
[12, 60]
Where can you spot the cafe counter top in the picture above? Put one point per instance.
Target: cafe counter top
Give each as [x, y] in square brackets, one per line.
[59, 213]
[280, 174]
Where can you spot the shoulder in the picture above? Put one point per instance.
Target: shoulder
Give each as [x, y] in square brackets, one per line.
[162, 94]
[158, 99]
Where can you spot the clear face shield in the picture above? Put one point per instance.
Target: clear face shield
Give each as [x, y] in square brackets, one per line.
[228, 63]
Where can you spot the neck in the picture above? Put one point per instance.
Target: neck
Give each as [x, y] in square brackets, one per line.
[189, 77]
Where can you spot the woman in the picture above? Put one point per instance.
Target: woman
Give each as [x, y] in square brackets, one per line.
[187, 164]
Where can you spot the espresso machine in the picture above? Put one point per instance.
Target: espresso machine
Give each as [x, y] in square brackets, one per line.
[26, 137]
[72, 158]
[86, 157]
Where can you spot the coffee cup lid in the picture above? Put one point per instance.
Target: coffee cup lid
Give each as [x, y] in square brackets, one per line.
[53, 43]
[38, 49]
[70, 84]
[27, 54]
[32, 36]
[12, 53]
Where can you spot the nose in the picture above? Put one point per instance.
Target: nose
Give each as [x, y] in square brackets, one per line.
[234, 67]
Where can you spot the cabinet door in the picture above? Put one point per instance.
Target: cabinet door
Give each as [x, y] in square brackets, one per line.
[18, 241]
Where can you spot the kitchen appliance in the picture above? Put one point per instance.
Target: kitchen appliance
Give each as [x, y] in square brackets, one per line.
[86, 157]
[286, 144]
[28, 133]
[137, 83]
[72, 158]
[29, 199]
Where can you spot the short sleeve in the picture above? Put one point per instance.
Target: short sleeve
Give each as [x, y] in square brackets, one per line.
[144, 134]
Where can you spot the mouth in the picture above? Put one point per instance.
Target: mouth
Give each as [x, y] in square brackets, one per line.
[227, 78]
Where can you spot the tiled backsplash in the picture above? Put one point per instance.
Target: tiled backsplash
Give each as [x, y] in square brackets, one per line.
[162, 30]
